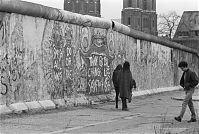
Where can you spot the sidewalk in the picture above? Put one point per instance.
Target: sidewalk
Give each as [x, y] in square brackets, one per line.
[146, 115]
[82, 101]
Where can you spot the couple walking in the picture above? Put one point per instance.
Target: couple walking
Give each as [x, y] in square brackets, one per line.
[123, 83]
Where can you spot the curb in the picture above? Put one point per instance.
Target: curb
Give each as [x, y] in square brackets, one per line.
[81, 101]
[76, 101]
[18, 107]
[59, 103]
[47, 104]
[154, 91]
[34, 105]
[182, 98]
[4, 109]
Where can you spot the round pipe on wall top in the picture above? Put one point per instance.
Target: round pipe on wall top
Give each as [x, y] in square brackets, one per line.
[141, 35]
[37, 10]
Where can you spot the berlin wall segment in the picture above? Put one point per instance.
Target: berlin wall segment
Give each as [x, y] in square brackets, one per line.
[45, 59]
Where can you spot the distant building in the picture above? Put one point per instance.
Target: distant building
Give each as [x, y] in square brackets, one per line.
[85, 7]
[187, 32]
[140, 15]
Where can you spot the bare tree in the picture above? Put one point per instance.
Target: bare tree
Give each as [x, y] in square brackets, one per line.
[167, 24]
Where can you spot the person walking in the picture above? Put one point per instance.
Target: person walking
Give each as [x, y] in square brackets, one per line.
[115, 78]
[188, 81]
[126, 83]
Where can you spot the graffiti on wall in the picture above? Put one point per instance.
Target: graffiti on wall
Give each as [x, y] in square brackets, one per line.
[5, 80]
[4, 64]
[70, 59]
[12, 56]
[119, 49]
[47, 57]
[17, 53]
[61, 43]
[58, 57]
[85, 43]
[98, 74]
[97, 60]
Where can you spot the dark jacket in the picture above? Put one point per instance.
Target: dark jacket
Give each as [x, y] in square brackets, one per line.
[115, 78]
[126, 83]
[190, 81]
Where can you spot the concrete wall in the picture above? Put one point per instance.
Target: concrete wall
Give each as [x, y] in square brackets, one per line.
[44, 58]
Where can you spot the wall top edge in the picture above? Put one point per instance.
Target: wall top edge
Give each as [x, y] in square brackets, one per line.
[37, 10]
[141, 35]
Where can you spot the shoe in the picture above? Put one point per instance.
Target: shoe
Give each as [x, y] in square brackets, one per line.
[178, 119]
[116, 106]
[192, 120]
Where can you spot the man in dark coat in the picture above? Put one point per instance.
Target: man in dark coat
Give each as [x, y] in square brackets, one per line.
[115, 78]
[126, 83]
[189, 81]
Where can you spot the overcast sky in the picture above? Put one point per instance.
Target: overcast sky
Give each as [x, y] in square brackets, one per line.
[111, 9]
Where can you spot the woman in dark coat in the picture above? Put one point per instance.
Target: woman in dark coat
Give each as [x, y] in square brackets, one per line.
[115, 78]
[126, 83]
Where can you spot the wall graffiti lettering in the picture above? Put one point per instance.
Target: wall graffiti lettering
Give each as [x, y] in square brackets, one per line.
[57, 43]
[5, 79]
[6, 87]
[98, 74]
[4, 63]
[16, 60]
[62, 59]
[96, 56]
[69, 80]
[69, 60]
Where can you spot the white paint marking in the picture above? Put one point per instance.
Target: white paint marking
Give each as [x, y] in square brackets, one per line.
[94, 124]
[79, 127]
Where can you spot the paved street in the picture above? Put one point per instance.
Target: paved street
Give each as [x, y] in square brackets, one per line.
[147, 114]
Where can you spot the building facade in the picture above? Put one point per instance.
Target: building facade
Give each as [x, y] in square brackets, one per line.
[187, 32]
[140, 15]
[85, 7]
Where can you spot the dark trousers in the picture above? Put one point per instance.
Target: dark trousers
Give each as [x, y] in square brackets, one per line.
[117, 95]
[124, 103]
